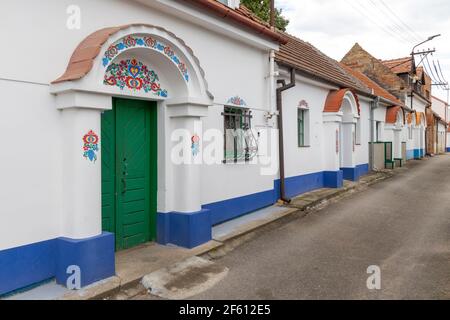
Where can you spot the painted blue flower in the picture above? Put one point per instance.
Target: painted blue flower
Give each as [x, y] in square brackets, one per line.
[120, 46]
[140, 41]
[105, 61]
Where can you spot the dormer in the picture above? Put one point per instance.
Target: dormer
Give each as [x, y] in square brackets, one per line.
[233, 4]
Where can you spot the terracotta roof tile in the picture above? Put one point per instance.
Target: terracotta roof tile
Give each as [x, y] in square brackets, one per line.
[400, 65]
[391, 114]
[241, 15]
[306, 58]
[83, 56]
[377, 89]
[335, 98]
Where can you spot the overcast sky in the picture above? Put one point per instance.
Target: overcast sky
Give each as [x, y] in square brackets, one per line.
[386, 29]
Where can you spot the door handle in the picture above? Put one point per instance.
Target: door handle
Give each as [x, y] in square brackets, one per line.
[124, 184]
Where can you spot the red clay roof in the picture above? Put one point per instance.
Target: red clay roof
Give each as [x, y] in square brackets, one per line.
[335, 98]
[391, 114]
[419, 117]
[409, 117]
[243, 16]
[400, 65]
[82, 59]
[377, 89]
[306, 58]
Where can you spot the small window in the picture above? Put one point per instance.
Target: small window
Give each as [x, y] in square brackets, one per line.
[239, 143]
[302, 127]
[410, 131]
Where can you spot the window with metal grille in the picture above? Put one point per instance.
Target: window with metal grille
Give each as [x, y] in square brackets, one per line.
[239, 142]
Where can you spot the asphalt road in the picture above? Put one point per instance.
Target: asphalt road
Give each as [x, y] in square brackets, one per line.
[401, 225]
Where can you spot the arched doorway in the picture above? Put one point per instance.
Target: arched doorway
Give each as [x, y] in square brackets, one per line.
[341, 116]
[131, 86]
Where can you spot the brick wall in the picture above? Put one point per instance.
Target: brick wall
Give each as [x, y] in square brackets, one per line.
[359, 59]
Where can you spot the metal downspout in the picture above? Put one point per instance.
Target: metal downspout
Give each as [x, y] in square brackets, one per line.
[374, 105]
[280, 90]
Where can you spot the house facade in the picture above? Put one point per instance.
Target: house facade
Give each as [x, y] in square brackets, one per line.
[158, 124]
[120, 130]
[390, 76]
[440, 115]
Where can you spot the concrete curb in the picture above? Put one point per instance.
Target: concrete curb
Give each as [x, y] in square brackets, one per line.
[218, 248]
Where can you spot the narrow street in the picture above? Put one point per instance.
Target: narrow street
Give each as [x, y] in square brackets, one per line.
[401, 225]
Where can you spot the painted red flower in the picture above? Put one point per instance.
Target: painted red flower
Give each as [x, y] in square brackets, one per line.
[150, 42]
[129, 41]
[134, 83]
[155, 87]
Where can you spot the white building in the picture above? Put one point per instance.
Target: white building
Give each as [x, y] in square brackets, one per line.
[157, 122]
[440, 108]
[95, 104]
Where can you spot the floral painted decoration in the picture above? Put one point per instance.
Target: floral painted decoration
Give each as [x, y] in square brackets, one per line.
[90, 146]
[134, 75]
[146, 42]
[195, 144]
[303, 104]
[236, 100]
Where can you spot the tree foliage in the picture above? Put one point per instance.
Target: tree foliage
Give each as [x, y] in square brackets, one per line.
[262, 9]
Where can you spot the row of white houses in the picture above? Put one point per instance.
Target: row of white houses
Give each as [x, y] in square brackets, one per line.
[160, 120]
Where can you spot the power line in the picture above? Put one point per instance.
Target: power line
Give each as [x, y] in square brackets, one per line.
[440, 69]
[361, 12]
[418, 38]
[430, 70]
[396, 33]
[392, 22]
[435, 68]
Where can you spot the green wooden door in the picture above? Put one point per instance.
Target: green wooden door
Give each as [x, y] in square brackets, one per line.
[129, 172]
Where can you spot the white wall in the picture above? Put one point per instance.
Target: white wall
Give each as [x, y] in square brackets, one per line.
[362, 150]
[310, 159]
[42, 45]
[439, 107]
[31, 171]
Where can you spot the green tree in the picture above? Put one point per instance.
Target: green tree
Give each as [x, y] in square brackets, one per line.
[262, 9]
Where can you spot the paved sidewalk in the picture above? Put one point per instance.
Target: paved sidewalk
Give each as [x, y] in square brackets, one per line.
[133, 264]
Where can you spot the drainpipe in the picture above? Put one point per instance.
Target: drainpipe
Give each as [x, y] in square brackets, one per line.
[374, 105]
[280, 90]
[272, 75]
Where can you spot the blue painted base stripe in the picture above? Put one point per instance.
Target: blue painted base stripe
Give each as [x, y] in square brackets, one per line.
[222, 211]
[448, 149]
[26, 265]
[409, 154]
[419, 153]
[192, 229]
[184, 229]
[354, 174]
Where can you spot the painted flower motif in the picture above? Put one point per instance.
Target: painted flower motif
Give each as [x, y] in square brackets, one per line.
[111, 52]
[195, 146]
[236, 100]
[90, 146]
[131, 41]
[134, 75]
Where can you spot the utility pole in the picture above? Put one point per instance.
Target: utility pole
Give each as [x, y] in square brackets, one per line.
[272, 14]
